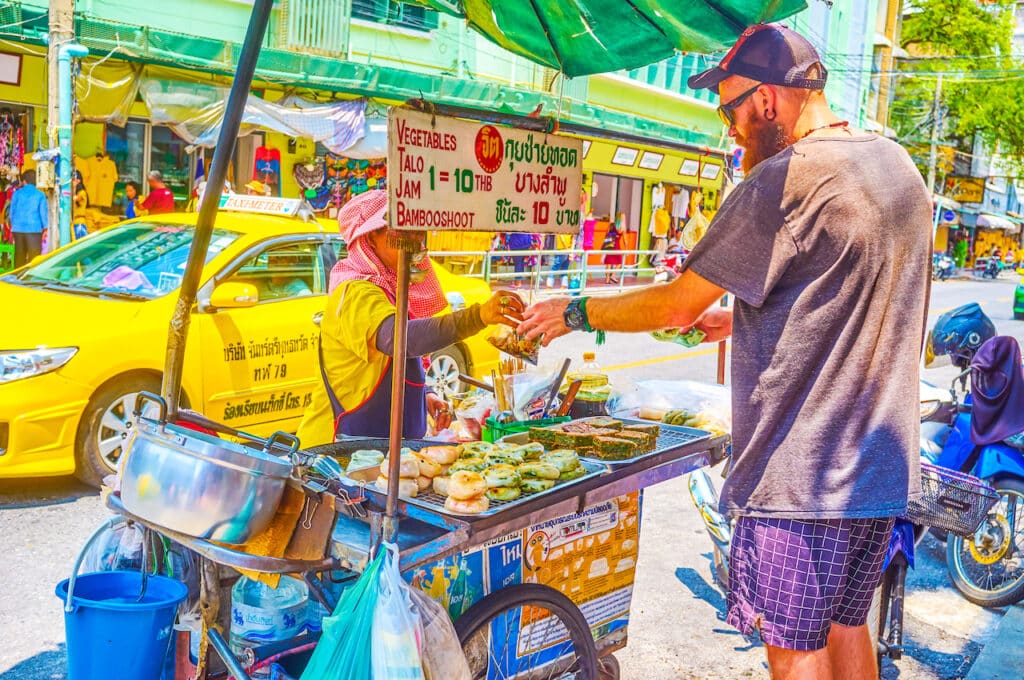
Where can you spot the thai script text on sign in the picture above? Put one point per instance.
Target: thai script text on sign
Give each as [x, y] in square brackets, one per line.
[447, 174]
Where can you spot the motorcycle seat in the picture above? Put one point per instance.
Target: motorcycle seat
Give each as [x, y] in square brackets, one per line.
[1016, 441]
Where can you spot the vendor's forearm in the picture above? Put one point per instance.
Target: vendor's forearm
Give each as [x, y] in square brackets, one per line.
[672, 305]
[433, 334]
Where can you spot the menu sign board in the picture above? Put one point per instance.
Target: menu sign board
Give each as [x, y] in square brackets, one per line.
[448, 174]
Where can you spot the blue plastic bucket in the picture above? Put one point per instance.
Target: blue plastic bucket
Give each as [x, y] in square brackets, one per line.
[109, 634]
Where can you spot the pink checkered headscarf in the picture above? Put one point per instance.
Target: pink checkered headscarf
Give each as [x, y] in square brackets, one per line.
[364, 214]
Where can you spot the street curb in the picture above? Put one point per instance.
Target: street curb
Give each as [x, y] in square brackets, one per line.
[1003, 657]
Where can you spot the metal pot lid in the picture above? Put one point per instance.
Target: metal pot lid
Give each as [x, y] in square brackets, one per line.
[214, 448]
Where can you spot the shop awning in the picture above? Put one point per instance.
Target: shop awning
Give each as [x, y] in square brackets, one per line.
[990, 221]
[944, 202]
[595, 36]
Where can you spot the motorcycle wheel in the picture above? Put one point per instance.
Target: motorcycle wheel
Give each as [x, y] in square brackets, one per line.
[988, 567]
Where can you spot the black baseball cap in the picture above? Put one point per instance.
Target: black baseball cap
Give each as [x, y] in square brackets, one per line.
[767, 53]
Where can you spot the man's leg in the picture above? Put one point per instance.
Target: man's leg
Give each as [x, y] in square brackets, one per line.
[787, 664]
[852, 652]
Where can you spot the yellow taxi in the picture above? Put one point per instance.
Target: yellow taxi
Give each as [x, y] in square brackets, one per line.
[87, 330]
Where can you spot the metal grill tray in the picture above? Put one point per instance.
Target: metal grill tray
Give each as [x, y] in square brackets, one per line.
[670, 437]
[366, 477]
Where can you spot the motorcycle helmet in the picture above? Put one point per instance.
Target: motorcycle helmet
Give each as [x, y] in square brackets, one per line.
[957, 335]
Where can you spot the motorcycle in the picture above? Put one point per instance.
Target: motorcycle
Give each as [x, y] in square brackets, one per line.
[942, 267]
[992, 268]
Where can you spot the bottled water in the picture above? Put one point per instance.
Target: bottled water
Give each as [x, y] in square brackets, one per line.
[261, 614]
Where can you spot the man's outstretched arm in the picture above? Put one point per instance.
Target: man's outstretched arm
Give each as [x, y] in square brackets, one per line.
[680, 304]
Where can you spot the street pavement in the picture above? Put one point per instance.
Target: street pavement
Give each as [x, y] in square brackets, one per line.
[677, 629]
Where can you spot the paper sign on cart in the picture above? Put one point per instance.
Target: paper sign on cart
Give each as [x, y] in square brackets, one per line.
[449, 174]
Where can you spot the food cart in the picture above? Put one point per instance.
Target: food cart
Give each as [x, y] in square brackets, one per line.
[540, 582]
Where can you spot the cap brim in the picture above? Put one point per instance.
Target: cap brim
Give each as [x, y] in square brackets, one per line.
[708, 80]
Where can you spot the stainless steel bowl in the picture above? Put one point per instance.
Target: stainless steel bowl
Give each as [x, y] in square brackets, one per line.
[200, 485]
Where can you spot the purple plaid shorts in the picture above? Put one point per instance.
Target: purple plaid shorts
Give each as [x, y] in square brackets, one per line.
[792, 578]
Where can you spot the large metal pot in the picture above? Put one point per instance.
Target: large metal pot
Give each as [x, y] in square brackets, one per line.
[200, 485]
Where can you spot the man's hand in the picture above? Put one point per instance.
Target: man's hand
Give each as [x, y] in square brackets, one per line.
[545, 318]
[439, 411]
[503, 307]
[716, 323]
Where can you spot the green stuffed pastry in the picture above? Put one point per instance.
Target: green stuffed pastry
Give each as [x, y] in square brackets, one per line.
[536, 485]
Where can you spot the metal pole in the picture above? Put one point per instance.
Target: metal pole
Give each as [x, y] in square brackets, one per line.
[62, 30]
[65, 130]
[933, 151]
[397, 393]
[178, 332]
[721, 349]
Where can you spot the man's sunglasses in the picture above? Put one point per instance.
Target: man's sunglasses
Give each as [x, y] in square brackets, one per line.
[726, 110]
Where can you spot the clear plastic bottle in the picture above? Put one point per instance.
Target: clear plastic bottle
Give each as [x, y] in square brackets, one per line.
[592, 399]
[261, 614]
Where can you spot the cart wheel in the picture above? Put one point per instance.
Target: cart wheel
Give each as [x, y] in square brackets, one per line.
[554, 638]
[609, 668]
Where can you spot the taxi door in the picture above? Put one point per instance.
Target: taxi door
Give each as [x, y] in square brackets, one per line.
[260, 362]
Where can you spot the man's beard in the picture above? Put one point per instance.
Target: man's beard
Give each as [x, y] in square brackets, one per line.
[767, 140]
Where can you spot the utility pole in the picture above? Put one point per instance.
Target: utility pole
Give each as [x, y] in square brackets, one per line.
[62, 30]
[933, 153]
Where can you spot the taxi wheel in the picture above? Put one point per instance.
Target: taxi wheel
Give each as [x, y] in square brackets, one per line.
[105, 425]
[443, 374]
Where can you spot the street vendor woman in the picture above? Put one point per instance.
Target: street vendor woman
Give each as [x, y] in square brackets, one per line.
[357, 332]
[826, 247]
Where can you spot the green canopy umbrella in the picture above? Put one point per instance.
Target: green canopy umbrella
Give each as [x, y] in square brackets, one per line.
[581, 37]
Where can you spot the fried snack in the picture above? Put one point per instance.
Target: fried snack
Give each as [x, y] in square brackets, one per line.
[465, 485]
[424, 483]
[581, 440]
[471, 464]
[406, 487]
[501, 475]
[543, 435]
[474, 449]
[531, 451]
[512, 457]
[471, 506]
[651, 429]
[644, 442]
[538, 470]
[409, 466]
[536, 485]
[364, 458]
[614, 448]
[428, 468]
[572, 473]
[442, 455]
[562, 459]
[440, 485]
[513, 344]
[503, 493]
[603, 423]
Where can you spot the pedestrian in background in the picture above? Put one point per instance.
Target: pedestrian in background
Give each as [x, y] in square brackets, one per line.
[29, 217]
[160, 199]
[613, 241]
[831, 301]
[518, 240]
[131, 199]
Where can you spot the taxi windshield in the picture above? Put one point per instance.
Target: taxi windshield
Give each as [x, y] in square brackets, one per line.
[138, 260]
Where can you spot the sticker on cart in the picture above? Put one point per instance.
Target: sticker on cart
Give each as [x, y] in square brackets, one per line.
[456, 582]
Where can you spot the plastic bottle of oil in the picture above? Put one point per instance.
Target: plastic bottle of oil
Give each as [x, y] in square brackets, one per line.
[592, 399]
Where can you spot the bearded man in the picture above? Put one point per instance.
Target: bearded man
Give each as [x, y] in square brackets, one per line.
[826, 247]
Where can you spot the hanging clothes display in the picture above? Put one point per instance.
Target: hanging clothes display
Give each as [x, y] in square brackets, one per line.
[680, 204]
[12, 143]
[658, 196]
[311, 176]
[267, 168]
[349, 177]
[99, 180]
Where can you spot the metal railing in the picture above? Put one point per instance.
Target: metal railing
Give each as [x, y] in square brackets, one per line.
[574, 277]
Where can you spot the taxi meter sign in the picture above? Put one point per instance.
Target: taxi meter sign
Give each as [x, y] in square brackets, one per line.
[448, 174]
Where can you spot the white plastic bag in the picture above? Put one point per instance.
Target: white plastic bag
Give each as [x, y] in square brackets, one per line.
[119, 548]
[443, 658]
[397, 633]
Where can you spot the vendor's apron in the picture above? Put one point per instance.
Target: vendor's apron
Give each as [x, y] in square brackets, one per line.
[372, 418]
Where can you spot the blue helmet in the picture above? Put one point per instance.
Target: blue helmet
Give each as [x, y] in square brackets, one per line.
[957, 335]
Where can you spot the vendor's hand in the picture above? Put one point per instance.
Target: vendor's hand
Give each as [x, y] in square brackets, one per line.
[545, 318]
[439, 411]
[503, 307]
[716, 323]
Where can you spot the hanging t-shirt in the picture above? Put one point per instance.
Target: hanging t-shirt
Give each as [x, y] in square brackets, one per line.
[660, 223]
[100, 180]
[267, 168]
[658, 196]
[680, 204]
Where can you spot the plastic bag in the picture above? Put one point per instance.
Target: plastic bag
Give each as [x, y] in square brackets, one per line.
[690, 338]
[119, 548]
[681, 402]
[472, 410]
[513, 344]
[397, 633]
[443, 658]
[345, 648]
[694, 230]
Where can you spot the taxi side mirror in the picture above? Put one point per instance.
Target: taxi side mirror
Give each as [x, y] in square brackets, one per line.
[234, 295]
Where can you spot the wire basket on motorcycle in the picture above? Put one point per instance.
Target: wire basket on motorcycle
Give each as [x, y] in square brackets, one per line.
[951, 500]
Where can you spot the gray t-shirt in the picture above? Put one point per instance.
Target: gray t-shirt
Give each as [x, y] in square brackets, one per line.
[827, 248]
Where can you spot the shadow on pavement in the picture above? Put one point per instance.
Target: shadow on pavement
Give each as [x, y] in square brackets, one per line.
[702, 590]
[32, 493]
[49, 665]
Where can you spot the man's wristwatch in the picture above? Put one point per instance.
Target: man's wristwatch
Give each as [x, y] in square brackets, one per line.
[575, 315]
